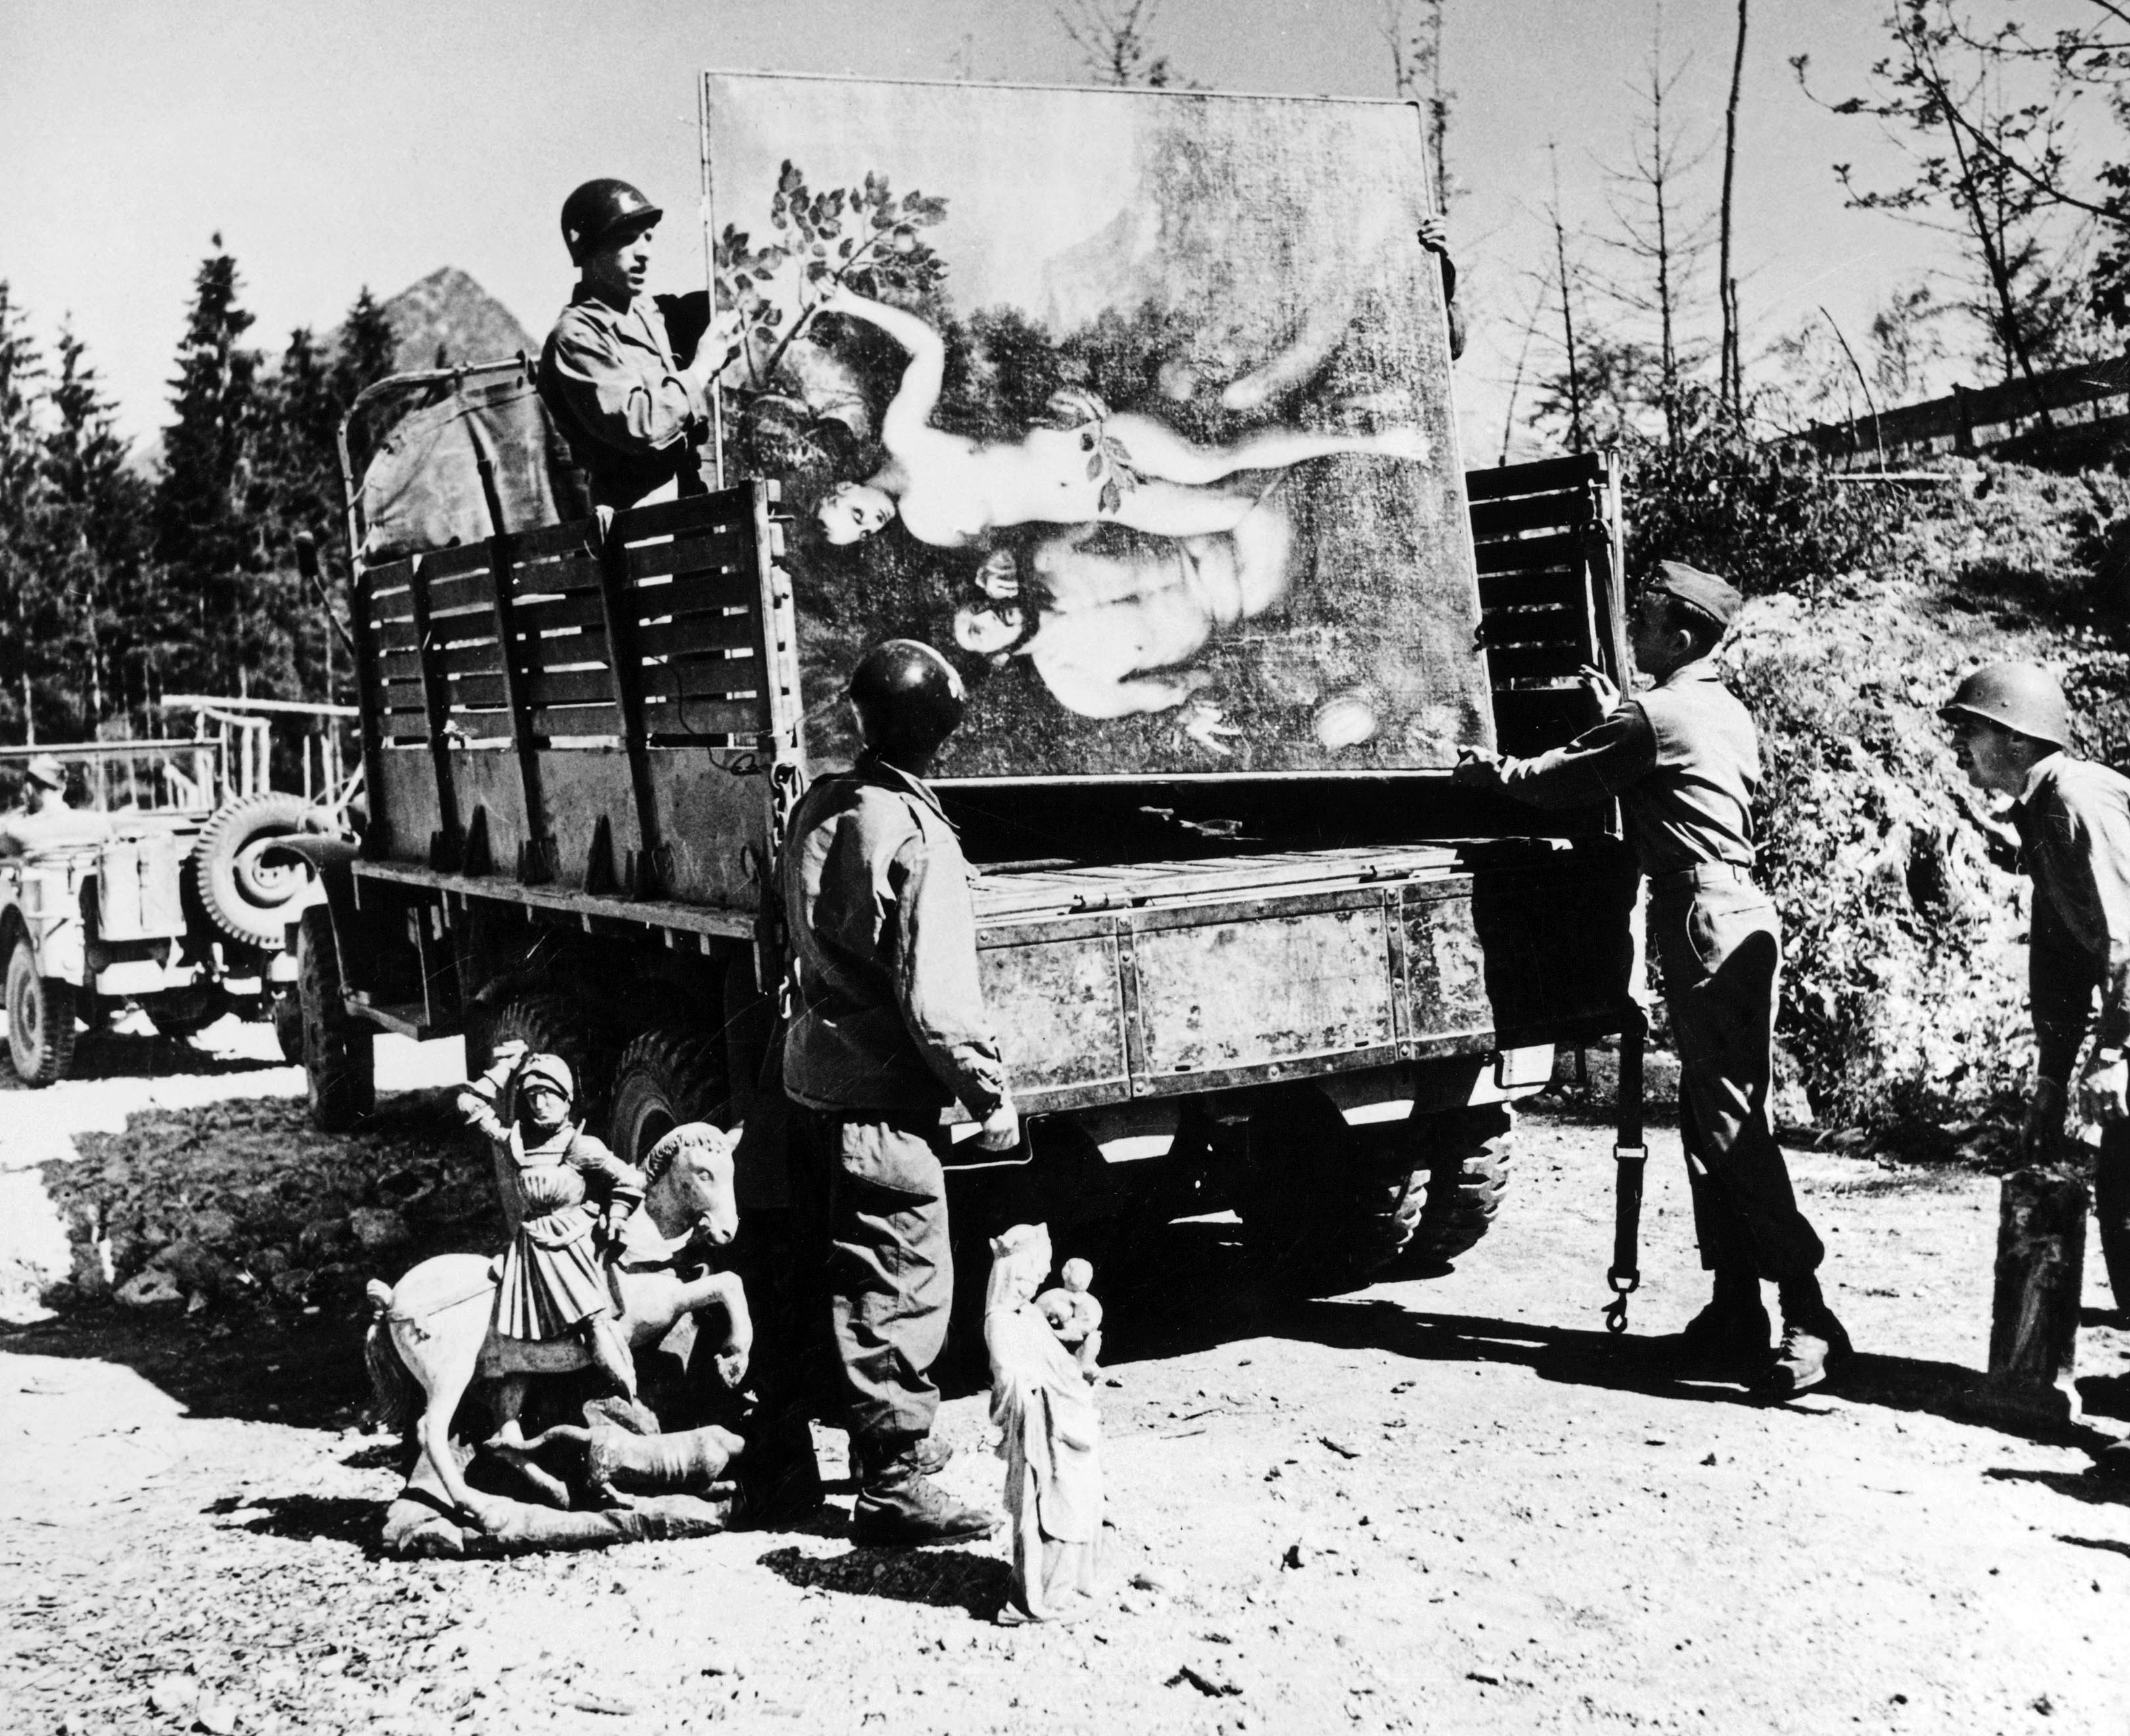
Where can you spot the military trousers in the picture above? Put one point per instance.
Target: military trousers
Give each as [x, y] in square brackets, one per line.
[1718, 945]
[870, 1200]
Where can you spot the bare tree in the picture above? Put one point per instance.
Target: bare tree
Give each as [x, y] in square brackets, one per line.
[1114, 38]
[1983, 117]
[1416, 75]
[1577, 438]
[1731, 374]
[1664, 248]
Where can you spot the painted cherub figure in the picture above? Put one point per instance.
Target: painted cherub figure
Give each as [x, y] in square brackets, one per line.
[574, 1196]
[1050, 1438]
[1075, 1315]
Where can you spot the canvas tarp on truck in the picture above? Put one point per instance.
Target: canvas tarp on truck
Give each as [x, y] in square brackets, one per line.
[1135, 404]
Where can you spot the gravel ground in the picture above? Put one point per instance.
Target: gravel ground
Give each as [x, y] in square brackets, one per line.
[1453, 1504]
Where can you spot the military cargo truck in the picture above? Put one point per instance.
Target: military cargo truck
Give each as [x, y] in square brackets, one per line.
[1314, 998]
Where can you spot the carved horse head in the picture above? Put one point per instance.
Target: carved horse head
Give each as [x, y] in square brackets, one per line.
[691, 1175]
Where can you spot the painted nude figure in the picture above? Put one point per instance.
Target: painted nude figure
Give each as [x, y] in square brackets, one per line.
[1050, 1438]
[1124, 469]
[1109, 629]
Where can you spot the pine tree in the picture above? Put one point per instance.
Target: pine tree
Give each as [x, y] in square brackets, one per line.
[208, 504]
[98, 537]
[22, 515]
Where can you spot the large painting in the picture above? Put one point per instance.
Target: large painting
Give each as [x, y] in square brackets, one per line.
[1136, 404]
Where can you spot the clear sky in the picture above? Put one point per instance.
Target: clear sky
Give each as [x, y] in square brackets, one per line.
[336, 143]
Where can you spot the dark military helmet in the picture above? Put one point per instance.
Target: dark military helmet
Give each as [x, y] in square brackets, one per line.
[908, 700]
[2020, 697]
[598, 210]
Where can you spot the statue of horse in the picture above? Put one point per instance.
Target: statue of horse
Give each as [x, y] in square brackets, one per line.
[435, 1329]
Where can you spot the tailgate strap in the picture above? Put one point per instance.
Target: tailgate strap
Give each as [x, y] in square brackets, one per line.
[1630, 1155]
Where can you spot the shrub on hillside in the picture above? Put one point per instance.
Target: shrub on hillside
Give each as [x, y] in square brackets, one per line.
[1904, 993]
[1766, 519]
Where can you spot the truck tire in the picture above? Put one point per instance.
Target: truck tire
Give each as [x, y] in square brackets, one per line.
[1325, 1205]
[549, 1024]
[339, 1062]
[1469, 1174]
[40, 1019]
[668, 1076]
[289, 1026]
[249, 901]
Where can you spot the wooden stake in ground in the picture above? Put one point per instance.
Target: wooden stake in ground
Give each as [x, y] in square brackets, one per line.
[2041, 1271]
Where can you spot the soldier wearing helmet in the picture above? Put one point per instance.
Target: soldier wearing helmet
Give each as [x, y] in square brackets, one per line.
[888, 1027]
[2010, 729]
[626, 375]
[1684, 761]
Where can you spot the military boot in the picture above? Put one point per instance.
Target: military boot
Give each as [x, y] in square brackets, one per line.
[1814, 1345]
[1730, 1336]
[899, 1507]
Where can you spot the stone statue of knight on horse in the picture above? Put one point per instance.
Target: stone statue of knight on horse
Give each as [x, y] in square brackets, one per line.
[598, 1264]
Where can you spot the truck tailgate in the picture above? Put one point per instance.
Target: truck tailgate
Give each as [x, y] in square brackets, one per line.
[1148, 980]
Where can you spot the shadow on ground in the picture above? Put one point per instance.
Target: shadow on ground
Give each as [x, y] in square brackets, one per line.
[123, 1055]
[944, 1579]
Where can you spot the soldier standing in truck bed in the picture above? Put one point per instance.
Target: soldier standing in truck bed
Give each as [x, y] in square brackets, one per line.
[888, 1026]
[625, 375]
[1684, 761]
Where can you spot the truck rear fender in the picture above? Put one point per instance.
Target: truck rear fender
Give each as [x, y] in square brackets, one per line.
[332, 859]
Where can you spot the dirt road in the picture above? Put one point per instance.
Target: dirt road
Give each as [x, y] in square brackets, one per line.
[1449, 1505]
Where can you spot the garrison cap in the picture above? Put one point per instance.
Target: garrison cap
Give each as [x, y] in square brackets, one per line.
[1713, 597]
[45, 769]
[548, 1070]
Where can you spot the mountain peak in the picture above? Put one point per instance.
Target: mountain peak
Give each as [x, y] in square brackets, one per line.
[447, 318]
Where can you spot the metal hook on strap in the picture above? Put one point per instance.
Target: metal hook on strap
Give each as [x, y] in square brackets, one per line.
[1625, 1275]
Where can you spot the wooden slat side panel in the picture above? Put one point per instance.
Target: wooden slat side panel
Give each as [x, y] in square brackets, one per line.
[1495, 518]
[696, 633]
[1532, 720]
[676, 518]
[705, 677]
[397, 631]
[575, 572]
[451, 563]
[1548, 475]
[1506, 663]
[551, 721]
[569, 687]
[544, 614]
[724, 553]
[1530, 554]
[450, 598]
[665, 720]
[1532, 590]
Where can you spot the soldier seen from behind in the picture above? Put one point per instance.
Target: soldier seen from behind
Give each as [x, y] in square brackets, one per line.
[2011, 730]
[888, 1027]
[627, 376]
[1683, 759]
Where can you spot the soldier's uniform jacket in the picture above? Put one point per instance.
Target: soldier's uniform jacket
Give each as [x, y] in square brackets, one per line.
[611, 379]
[1684, 762]
[2074, 820]
[890, 1013]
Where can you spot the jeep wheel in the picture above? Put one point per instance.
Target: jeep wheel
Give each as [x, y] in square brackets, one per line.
[40, 1020]
[339, 1064]
[1470, 1166]
[1323, 1205]
[249, 897]
[667, 1076]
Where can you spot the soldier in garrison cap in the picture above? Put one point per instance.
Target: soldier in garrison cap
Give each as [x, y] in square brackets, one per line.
[2010, 729]
[626, 375]
[40, 813]
[1683, 760]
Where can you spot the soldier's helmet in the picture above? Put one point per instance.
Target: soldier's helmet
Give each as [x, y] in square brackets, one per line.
[908, 700]
[599, 212]
[2017, 695]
